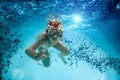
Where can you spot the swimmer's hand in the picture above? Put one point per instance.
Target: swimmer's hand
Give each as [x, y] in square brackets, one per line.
[41, 55]
[62, 58]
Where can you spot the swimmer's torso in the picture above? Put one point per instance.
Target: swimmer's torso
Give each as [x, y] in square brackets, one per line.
[46, 43]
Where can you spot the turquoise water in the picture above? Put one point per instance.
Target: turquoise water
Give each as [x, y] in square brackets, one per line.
[92, 39]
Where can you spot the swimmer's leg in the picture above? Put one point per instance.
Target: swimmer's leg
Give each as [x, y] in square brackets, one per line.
[46, 61]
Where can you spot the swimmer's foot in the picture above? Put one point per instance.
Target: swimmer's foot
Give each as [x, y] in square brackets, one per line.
[62, 58]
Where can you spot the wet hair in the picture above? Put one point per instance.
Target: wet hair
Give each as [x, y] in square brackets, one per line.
[53, 23]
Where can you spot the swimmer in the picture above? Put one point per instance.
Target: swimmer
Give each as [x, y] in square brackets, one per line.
[51, 37]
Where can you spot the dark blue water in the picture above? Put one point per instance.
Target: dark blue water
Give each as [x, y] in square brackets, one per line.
[91, 32]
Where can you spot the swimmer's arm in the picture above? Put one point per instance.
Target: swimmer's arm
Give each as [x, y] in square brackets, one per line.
[31, 50]
[64, 51]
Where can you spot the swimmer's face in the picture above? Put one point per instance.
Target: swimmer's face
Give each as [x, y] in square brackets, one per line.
[54, 30]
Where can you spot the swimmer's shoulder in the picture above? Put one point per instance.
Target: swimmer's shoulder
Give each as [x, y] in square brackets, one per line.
[42, 37]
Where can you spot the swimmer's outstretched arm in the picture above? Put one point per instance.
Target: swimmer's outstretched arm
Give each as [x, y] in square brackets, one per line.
[63, 49]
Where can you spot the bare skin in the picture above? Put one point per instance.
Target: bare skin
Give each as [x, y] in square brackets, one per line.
[42, 44]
